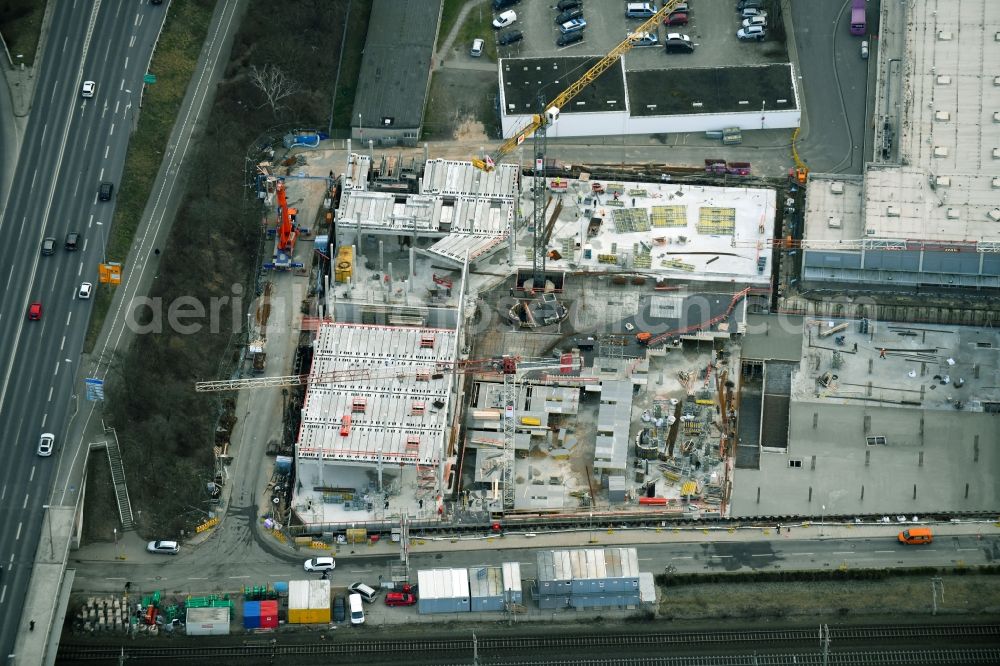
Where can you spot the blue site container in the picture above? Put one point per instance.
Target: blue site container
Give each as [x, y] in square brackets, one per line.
[251, 615]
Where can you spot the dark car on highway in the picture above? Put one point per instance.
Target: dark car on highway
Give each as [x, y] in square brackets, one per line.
[508, 38]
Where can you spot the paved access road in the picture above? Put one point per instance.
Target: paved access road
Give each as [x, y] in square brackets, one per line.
[835, 83]
[200, 570]
[71, 144]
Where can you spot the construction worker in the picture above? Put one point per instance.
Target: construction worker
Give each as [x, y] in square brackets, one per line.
[881, 353]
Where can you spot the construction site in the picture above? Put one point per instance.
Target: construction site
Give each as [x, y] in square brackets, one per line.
[512, 337]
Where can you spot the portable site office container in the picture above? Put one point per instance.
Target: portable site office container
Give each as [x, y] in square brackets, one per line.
[443, 591]
[512, 582]
[308, 601]
[207, 621]
[588, 578]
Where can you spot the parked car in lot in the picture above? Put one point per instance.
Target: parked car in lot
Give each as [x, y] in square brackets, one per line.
[563, 5]
[754, 32]
[753, 11]
[319, 564]
[575, 25]
[400, 599]
[163, 547]
[367, 593]
[676, 18]
[357, 609]
[749, 4]
[504, 20]
[47, 443]
[647, 39]
[504, 4]
[678, 43]
[510, 37]
[477, 47]
[755, 20]
[339, 609]
[569, 38]
[569, 15]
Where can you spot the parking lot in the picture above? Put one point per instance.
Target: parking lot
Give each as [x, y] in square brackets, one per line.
[712, 27]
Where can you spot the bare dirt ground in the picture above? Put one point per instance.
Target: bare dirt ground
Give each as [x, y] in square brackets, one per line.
[458, 109]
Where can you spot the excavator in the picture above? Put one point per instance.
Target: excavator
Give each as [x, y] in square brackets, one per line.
[551, 113]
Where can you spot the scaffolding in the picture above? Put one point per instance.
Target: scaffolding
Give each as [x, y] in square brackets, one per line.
[713, 220]
[669, 216]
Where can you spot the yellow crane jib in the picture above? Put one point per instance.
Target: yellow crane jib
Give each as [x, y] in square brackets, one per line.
[551, 113]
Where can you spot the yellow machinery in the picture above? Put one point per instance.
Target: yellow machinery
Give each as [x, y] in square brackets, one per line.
[343, 268]
[551, 112]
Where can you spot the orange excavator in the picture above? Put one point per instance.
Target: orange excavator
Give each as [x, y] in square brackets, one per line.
[286, 233]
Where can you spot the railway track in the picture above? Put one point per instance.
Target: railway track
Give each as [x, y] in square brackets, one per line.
[522, 644]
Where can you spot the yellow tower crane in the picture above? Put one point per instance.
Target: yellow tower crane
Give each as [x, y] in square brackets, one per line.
[551, 112]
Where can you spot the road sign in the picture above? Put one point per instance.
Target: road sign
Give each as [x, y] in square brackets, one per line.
[149, 78]
[95, 388]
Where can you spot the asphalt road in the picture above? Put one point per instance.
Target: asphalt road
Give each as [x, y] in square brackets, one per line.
[229, 564]
[835, 83]
[70, 145]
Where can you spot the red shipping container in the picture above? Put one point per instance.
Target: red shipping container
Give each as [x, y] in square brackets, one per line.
[269, 614]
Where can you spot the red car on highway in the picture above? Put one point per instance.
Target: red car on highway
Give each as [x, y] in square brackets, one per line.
[35, 312]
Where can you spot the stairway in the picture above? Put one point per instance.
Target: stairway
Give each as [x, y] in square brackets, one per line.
[118, 476]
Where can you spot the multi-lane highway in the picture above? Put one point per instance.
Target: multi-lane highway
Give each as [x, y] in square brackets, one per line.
[71, 144]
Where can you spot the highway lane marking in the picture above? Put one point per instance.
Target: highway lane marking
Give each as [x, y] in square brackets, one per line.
[232, 577]
[721, 556]
[24, 505]
[90, 221]
[18, 532]
[963, 549]
[69, 316]
[85, 244]
[45, 417]
[31, 477]
[86, 139]
[197, 578]
[175, 156]
[884, 551]
[126, 64]
[107, 148]
[61, 345]
[357, 571]
[117, 104]
[114, 579]
[3, 594]
[843, 552]
[79, 271]
[101, 176]
[50, 388]
[56, 373]
[802, 554]
[45, 128]
[645, 559]
[762, 555]
[683, 557]
[4, 493]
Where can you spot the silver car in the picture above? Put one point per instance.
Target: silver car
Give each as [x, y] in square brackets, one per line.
[46, 444]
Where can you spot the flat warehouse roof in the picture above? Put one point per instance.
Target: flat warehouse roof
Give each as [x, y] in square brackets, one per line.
[396, 64]
[661, 92]
[522, 80]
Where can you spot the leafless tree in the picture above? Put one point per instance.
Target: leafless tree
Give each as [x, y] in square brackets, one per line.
[274, 83]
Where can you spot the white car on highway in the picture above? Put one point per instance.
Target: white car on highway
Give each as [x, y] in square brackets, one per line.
[46, 444]
[88, 89]
[85, 290]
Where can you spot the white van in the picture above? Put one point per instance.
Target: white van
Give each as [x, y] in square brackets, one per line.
[477, 47]
[367, 593]
[639, 10]
[357, 609]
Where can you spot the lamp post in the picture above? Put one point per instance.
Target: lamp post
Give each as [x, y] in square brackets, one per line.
[115, 530]
[48, 520]
[822, 513]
